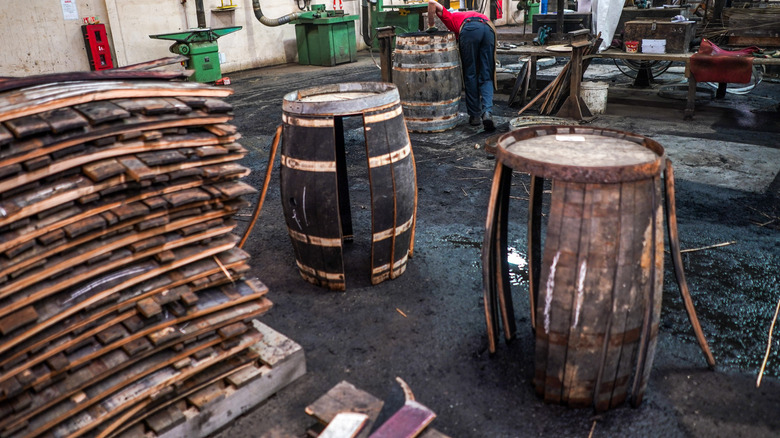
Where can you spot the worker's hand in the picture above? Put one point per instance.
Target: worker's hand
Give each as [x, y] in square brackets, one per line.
[432, 29]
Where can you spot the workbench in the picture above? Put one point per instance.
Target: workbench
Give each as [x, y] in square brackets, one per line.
[534, 52]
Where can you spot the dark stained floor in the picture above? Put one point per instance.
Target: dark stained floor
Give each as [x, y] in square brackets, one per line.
[728, 189]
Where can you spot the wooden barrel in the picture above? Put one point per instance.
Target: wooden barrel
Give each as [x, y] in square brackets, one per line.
[598, 299]
[426, 70]
[314, 187]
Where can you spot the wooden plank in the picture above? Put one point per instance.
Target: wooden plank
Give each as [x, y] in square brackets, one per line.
[100, 170]
[159, 158]
[148, 105]
[6, 136]
[64, 119]
[18, 319]
[136, 168]
[84, 226]
[232, 330]
[345, 425]
[27, 126]
[101, 111]
[208, 396]
[209, 104]
[560, 313]
[111, 334]
[345, 397]
[36, 163]
[408, 422]
[148, 308]
[167, 419]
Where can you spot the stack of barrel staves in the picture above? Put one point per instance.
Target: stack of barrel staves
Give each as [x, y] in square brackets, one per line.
[122, 298]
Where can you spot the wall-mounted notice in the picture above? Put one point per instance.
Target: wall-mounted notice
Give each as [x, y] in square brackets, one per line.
[69, 11]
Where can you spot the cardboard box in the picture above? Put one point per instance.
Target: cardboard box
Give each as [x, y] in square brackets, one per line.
[678, 36]
[653, 46]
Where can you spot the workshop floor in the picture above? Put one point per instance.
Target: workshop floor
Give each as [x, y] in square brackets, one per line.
[728, 190]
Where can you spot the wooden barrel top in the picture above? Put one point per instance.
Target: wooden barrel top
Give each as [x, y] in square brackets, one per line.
[343, 99]
[581, 154]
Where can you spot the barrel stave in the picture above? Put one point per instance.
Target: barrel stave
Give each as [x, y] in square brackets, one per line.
[393, 189]
[310, 202]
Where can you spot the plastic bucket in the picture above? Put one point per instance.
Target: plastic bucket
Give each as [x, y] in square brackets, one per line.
[595, 96]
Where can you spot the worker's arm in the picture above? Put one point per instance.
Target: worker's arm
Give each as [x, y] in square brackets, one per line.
[434, 9]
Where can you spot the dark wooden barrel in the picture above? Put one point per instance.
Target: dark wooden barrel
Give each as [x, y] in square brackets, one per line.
[314, 188]
[426, 70]
[598, 299]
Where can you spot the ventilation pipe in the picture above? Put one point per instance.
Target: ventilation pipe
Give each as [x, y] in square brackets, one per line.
[201, 14]
[365, 20]
[272, 21]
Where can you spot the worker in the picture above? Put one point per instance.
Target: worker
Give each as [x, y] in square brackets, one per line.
[477, 43]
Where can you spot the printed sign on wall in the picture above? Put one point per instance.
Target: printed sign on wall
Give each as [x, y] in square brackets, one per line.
[69, 11]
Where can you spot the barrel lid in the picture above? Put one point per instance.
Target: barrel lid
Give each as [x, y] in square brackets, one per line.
[340, 99]
[581, 154]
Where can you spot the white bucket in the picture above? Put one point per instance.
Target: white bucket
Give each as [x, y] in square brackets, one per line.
[595, 96]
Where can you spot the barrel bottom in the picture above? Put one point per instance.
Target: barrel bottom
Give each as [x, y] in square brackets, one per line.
[332, 281]
[580, 391]
[426, 117]
[424, 126]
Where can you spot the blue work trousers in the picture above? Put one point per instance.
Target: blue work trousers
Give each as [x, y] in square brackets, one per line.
[477, 46]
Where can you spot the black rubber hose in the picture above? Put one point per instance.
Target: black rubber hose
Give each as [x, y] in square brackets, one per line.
[272, 21]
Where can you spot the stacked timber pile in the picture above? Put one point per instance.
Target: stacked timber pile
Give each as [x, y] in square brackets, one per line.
[122, 302]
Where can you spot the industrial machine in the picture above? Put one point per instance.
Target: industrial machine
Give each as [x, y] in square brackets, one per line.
[200, 46]
[405, 17]
[325, 37]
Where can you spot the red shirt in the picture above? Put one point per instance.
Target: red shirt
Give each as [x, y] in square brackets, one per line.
[453, 20]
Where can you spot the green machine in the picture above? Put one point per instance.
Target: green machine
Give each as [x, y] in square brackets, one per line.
[325, 37]
[200, 46]
[405, 17]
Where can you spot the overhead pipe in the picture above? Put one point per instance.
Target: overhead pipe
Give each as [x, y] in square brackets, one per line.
[365, 21]
[272, 21]
[200, 12]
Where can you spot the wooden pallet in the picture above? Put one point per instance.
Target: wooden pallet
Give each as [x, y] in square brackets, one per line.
[124, 309]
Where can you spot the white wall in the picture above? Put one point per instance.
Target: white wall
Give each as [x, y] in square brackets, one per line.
[39, 40]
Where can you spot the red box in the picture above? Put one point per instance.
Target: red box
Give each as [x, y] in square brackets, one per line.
[98, 50]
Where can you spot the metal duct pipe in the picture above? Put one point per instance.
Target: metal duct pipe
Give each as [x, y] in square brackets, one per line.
[365, 22]
[272, 21]
[201, 14]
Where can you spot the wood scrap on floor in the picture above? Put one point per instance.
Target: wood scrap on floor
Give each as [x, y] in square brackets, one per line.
[411, 420]
[124, 307]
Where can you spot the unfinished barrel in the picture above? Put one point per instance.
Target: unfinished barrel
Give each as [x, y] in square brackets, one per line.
[314, 189]
[598, 298]
[426, 70]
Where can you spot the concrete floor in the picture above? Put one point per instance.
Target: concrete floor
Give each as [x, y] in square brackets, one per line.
[728, 189]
